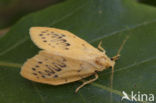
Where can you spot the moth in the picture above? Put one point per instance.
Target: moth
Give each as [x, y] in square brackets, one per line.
[64, 58]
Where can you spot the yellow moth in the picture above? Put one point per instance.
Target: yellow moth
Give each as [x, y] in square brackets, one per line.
[64, 58]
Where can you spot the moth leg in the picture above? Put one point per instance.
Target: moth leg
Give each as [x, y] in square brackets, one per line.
[111, 77]
[87, 82]
[100, 47]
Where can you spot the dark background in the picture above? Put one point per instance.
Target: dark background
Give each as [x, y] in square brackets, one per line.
[12, 10]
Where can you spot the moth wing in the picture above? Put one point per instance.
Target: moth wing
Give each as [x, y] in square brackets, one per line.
[62, 42]
[53, 69]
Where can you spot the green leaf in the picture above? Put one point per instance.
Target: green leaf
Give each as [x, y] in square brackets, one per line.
[93, 20]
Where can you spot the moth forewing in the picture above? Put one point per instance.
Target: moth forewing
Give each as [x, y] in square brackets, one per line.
[53, 69]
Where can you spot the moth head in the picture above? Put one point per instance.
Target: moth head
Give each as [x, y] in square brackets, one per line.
[104, 62]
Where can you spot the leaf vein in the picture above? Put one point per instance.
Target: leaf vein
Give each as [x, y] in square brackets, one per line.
[13, 46]
[122, 30]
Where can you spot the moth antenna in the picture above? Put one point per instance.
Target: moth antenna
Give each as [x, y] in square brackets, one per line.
[114, 59]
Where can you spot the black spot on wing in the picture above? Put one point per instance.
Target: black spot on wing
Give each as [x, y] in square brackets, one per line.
[39, 62]
[43, 76]
[67, 44]
[40, 34]
[34, 73]
[53, 38]
[37, 66]
[55, 76]
[39, 72]
[33, 69]
[79, 70]
[44, 31]
[48, 67]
